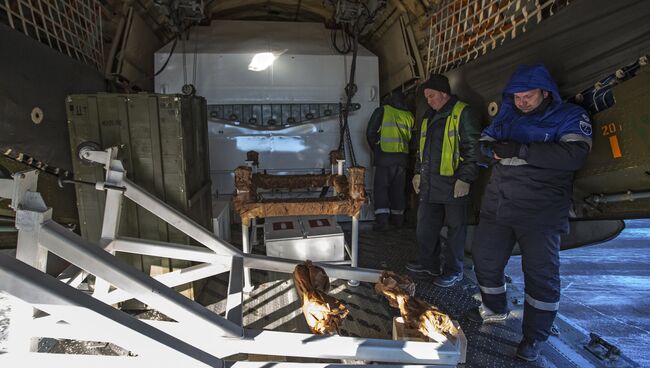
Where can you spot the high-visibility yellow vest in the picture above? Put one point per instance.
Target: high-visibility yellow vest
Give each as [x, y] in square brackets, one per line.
[395, 130]
[450, 141]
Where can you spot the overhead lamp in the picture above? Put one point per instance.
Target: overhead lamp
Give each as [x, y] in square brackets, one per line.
[262, 61]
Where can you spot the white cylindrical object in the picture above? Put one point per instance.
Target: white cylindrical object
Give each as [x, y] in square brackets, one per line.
[355, 247]
[246, 248]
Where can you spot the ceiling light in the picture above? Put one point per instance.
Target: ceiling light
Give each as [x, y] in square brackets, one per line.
[262, 61]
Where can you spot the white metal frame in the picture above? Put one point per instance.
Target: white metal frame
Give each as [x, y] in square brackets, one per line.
[198, 337]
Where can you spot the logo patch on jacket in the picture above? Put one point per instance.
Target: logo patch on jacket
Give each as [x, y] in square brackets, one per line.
[585, 125]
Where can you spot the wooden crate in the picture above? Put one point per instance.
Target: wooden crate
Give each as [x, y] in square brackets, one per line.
[165, 151]
[459, 341]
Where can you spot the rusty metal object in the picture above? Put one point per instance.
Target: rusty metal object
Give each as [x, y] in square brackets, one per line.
[356, 178]
[334, 156]
[323, 312]
[266, 181]
[254, 157]
[351, 194]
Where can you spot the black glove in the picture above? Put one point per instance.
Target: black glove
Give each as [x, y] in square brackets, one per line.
[486, 158]
[506, 149]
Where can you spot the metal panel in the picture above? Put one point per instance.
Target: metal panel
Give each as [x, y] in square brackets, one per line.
[317, 238]
[309, 72]
[137, 43]
[316, 226]
[282, 228]
[22, 81]
[399, 64]
[619, 161]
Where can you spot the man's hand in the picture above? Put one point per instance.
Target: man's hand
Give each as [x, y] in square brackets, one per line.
[416, 183]
[461, 189]
[506, 149]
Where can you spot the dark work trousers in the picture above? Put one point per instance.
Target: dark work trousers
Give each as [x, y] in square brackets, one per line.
[540, 258]
[431, 218]
[390, 199]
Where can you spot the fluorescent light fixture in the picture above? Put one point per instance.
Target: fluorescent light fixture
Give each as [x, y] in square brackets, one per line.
[262, 61]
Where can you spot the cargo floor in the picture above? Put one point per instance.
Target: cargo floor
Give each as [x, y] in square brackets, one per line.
[273, 305]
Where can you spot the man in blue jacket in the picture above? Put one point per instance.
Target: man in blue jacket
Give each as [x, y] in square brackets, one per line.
[536, 143]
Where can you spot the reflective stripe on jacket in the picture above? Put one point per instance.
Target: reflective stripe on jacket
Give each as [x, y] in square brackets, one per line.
[450, 143]
[395, 130]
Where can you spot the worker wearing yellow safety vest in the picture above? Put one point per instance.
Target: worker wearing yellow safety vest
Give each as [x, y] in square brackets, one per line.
[389, 135]
[445, 168]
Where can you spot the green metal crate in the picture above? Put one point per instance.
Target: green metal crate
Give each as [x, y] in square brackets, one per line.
[165, 151]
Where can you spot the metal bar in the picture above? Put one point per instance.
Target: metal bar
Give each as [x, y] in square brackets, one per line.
[31, 253]
[254, 227]
[55, 34]
[110, 226]
[38, 288]
[340, 347]
[620, 197]
[31, 10]
[355, 248]
[170, 279]
[246, 247]
[235, 287]
[178, 220]
[260, 262]
[22, 16]
[77, 361]
[44, 20]
[84, 254]
[323, 365]
[69, 47]
[265, 342]
[168, 250]
[11, 19]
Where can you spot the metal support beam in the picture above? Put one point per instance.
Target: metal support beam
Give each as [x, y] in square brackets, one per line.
[265, 342]
[355, 248]
[168, 250]
[169, 279]
[260, 262]
[110, 226]
[178, 220]
[234, 308]
[84, 254]
[324, 365]
[246, 248]
[78, 361]
[53, 297]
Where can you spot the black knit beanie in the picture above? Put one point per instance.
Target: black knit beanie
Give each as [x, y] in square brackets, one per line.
[437, 82]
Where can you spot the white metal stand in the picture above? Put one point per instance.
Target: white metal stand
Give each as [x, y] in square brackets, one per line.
[198, 337]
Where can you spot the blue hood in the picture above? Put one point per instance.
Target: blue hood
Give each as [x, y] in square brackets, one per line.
[524, 79]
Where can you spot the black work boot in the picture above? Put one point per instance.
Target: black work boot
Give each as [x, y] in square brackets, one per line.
[380, 228]
[416, 267]
[529, 349]
[397, 220]
[381, 223]
[483, 314]
[446, 281]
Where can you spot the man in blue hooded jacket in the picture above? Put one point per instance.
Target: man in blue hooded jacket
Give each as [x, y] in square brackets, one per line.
[535, 143]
